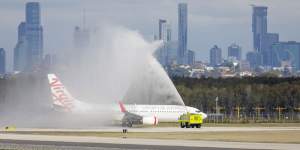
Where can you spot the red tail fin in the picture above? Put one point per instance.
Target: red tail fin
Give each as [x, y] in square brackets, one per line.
[60, 95]
[122, 107]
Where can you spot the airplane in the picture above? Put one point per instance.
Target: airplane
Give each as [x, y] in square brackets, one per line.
[130, 114]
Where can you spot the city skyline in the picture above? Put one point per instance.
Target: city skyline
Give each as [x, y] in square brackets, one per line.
[28, 53]
[209, 23]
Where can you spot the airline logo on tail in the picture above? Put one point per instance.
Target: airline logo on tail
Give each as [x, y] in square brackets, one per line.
[60, 95]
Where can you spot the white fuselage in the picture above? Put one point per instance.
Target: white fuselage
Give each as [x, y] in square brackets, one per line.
[65, 102]
[164, 113]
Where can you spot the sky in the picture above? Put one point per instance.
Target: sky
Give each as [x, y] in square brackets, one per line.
[210, 22]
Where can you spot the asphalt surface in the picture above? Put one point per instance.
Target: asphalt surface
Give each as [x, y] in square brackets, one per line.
[15, 144]
[165, 129]
[29, 141]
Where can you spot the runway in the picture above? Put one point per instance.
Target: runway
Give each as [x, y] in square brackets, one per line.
[113, 143]
[163, 129]
[31, 141]
[21, 144]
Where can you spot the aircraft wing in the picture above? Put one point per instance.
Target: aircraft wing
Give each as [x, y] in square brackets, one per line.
[130, 118]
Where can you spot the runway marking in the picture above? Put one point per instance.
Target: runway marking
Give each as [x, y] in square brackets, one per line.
[131, 141]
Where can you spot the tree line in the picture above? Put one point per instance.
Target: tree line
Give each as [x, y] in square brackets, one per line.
[248, 94]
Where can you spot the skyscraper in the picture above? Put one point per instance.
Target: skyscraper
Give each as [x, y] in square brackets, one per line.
[262, 40]
[21, 51]
[164, 30]
[165, 54]
[22, 31]
[215, 56]
[267, 40]
[161, 24]
[259, 25]
[28, 53]
[182, 33]
[81, 43]
[81, 38]
[286, 52]
[33, 13]
[191, 57]
[235, 51]
[254, 59]
[169, 33]
[2, 61]
[34, 35]
[161, 55]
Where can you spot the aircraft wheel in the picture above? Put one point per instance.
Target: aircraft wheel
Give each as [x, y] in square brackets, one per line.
[187, 125]
[182, 125]
[129, 124]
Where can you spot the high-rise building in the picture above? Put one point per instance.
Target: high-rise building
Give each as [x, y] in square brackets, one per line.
[172, 48]
[254, 59]
[33, 13]
[21, 51]
[2, 61]
[267, 40]
[235, 51]
[81, 43]
[28, 53]
[81, 38]
[262, 40]
[286, 52]
[164, 30]
[215, 56]
[34, 34]
[182, 33]
[259, 25]
[49, 61]
[21, 31]
[169, 33]
[161, 25]
[191, 57]
[244, 65]
[161, 55]
[165, 53]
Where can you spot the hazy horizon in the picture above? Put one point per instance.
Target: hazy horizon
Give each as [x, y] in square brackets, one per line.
[210, 22]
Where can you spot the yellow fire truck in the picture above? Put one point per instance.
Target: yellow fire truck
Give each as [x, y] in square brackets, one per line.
[190, 120]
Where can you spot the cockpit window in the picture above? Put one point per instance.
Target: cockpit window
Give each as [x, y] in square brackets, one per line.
[198, 111]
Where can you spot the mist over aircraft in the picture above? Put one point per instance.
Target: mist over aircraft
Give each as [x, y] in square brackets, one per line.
[129, 115]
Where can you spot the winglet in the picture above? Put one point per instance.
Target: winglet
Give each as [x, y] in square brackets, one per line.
[122, 107]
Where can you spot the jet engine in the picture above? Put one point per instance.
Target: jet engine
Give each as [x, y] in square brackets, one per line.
[150, 120]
